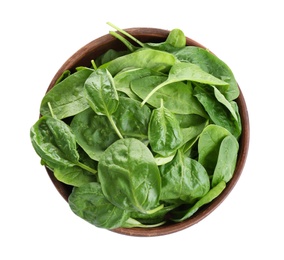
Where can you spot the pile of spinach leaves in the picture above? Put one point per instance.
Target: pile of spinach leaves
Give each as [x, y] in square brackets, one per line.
[152, 132]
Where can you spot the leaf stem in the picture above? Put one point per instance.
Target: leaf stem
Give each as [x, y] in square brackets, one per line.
[94, 64]
[85, 167]
[114, 126]
[126, 34]
[50, 109]
[152, 211]
[152, 92]
[130, 46]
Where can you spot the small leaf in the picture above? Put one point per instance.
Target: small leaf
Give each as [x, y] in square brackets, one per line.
[164, 132]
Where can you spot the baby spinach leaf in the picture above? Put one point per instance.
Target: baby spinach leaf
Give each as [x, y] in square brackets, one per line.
[221, 113]
[93, 133]
[182, 71]
[74, 176]
[132, 119]
[210, 63]
[175, 40]
[227, 159]
[209, 145]
[55, 143]
[159, 61]
[108, 56]
[183, 179]
[155, 218]
[102, 96]
[89, 203]
[164, 132]
[210, 196]
[123, 79]
[67, 97]
[129, 176]
[101, 93]
[183, 102]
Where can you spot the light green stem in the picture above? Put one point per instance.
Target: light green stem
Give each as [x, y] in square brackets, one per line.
[85, 167]
[123, 40]
[114, 126]
[152, 211]
[94, 64]
[152, 92]
[126, 34]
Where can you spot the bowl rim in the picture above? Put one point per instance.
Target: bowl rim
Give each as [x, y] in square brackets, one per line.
[98, 46]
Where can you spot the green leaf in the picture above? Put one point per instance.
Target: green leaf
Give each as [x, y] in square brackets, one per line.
[55, 143]
[159, 61]
[183, 102]
[101, 93]
[210, 63]
[67, 97]
[93, 133]
[209, 145]
[221, 113]
[132, 119]
[210, 196]
[227, 159]
[102, 96]
[129, 176]
[182, 71]
[89, 203]
[164, 132]
[183, 180]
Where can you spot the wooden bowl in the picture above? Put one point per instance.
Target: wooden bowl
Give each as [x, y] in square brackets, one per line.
[99, 46]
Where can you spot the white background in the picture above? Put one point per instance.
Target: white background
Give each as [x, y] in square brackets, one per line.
[36, 39]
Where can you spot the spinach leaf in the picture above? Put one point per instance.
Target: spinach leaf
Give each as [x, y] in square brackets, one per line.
[192, 132]
[93, 133]
[209, 144]
[183, 102]
[129, 176]
[221, 113]
[130, 223]
[123, 79]
[132, 119]
[175, 40]
[74, 176]
[108, 56]
[212, 194]
[159, 61]
[102, 96]
[55, 143]
[77, 176]
[89, 203]
[182, 71]
[183, 180]
[164, 132]
[210, 63]
[67, 97]
[227, 158]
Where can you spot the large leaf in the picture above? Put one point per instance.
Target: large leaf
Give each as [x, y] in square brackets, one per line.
[129, 176]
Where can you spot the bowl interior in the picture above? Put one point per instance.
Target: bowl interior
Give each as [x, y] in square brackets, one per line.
[99, 46]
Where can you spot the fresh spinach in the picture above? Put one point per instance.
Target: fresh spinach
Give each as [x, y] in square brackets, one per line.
[129, 176]
[102, 96]
[145, 135]
[183, 180]
[165, 135]
[187, 72]
[211, 64]
[89, 203]
[67, 97]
